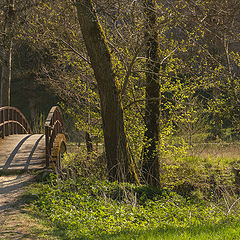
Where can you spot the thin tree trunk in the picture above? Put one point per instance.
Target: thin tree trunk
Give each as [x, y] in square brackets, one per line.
[7, 55]
[89, 143]
[119, 162]
[151, 166]
[6, 77]
[32, 101]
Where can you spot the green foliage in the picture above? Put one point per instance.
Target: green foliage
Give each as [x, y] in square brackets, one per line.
[199, 81]
[93, 209]
[83, 164]
[203, 177]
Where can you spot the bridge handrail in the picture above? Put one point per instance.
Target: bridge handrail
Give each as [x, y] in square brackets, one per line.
[12, 121]
[53, 126]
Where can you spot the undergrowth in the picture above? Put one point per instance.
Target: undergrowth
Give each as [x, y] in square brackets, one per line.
[198, 199]
[93, 209]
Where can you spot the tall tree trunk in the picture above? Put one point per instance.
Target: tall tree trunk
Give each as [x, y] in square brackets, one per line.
[151, 166]
[119, 162]
[7, 54]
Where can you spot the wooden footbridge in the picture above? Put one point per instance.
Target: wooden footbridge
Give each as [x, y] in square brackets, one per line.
[21, 149]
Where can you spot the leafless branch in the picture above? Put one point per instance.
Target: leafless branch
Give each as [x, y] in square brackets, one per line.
[74, 50]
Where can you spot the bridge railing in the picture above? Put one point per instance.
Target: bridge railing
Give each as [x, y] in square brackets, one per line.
[53, 126]
[12, 121]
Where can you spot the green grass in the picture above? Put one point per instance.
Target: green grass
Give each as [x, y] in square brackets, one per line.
[197, 191]
[93, 209]
[221, 231]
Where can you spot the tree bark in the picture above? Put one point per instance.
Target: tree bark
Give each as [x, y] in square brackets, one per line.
[89, 143]
[119, 162]
[151, 166]
[6, 77]
[7, 55]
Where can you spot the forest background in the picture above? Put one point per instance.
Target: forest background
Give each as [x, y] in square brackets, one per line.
[153, 80]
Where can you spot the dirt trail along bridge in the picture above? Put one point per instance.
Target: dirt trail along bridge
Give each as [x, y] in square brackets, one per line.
[21, 149]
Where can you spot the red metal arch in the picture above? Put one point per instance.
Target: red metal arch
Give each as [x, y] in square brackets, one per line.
[12, 121]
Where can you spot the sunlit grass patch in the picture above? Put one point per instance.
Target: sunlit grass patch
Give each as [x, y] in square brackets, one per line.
[93, 209]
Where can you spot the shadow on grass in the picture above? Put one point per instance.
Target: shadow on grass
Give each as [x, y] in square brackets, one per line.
[45, 228]
[223, 230]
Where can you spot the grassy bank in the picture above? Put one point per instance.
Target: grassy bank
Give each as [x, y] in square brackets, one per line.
[92, 209]
[198, 200]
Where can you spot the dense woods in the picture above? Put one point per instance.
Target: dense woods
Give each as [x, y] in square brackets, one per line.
[148, 81]
[161, 69]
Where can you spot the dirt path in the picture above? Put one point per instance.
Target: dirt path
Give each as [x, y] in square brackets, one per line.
[15, 223]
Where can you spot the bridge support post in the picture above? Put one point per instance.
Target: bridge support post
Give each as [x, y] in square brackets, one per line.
[12, 124]
[47, 146]
[7, 125]
[15, 124]
[2, 121]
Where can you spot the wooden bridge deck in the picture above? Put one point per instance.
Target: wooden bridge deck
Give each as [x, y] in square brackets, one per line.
[22, 152]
